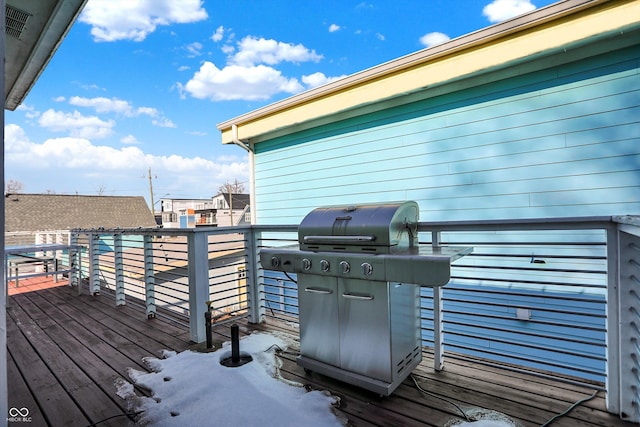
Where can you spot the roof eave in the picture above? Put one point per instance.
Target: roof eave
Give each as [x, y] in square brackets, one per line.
[473, 41]
[58, 25]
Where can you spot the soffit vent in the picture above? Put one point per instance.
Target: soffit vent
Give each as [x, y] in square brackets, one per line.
[15, 21]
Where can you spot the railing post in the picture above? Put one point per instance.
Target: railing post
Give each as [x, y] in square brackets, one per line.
[119, 269]
[613, 321]
[149, 277]
[438, 332]
[198, 261]
[623, 390]
[94, 264]
[255, 289]
[75, 274]
[7, 273]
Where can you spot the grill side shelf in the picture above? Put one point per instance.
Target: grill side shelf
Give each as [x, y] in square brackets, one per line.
[430, 266]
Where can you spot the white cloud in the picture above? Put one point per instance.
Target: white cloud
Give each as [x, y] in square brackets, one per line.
[218, 35]
[90, 87]
[76, 124]
[318, 79]
[432, 39]
[147, 111]
[103, 105]
[249, 73]
[235, 82]
[15, 139]
[194, 49]
[333, 28]
[130, 140]
[252, 51]
[124, 108]
[196, 133]
[113, 20]
[29, 111]
[364, 5]
[163, 123]
[74, 157]
[501, 10]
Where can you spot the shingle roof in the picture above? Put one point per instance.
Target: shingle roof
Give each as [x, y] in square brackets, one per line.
[239, 200]
[38, 212]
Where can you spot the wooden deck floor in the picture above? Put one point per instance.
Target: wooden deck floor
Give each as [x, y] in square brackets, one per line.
[65, 351]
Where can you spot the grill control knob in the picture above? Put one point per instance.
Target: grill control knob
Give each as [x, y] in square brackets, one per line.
[367, 268]
[306, 264]
[345, 267]
[275, 262]
[324, 265]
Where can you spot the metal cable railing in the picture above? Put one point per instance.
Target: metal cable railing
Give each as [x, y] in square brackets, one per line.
[630, 322]
[280, 299]
[526, 297]
[532, 294]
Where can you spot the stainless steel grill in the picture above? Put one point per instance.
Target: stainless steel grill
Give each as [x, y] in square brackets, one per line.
[359, 271]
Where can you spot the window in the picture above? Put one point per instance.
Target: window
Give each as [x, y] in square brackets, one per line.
[169, 217]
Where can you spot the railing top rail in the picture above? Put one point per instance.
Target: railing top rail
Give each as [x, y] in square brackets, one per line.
[628, 219]
[568, 223]
[560, 223]
[12, 250]
[184, 231]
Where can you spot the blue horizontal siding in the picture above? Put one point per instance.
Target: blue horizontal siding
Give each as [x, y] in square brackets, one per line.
[484, 324]
[563, 141]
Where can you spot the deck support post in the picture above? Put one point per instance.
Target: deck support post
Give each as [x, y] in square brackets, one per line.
[198, 261]
[438, 333]
[149, 277]
[119, 267]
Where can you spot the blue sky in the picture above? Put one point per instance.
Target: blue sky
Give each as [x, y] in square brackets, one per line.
[141, 84]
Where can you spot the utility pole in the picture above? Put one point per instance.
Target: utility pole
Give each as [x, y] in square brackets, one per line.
[231, 207]
[231, 189]
[153, 208]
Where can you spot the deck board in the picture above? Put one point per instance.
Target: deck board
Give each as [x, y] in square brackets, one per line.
[73, 365]
[57, 407]
[20, 396]
[65, 352]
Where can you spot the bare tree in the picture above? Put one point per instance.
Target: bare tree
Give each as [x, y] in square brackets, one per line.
[234, 187]
[231, 188]
[101, 190]
[14, 186]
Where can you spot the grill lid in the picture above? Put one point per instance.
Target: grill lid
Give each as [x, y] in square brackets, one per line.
[377, 228]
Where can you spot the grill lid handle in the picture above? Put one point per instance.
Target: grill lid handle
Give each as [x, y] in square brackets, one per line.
[338, 239]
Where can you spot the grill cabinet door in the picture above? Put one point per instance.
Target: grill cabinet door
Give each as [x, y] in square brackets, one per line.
[365, 328]
[318, 305]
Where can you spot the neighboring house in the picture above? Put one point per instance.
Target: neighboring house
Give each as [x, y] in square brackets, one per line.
[29, 214]
[221, 210]
[180, 213]
[533, 117]
[232, 209]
